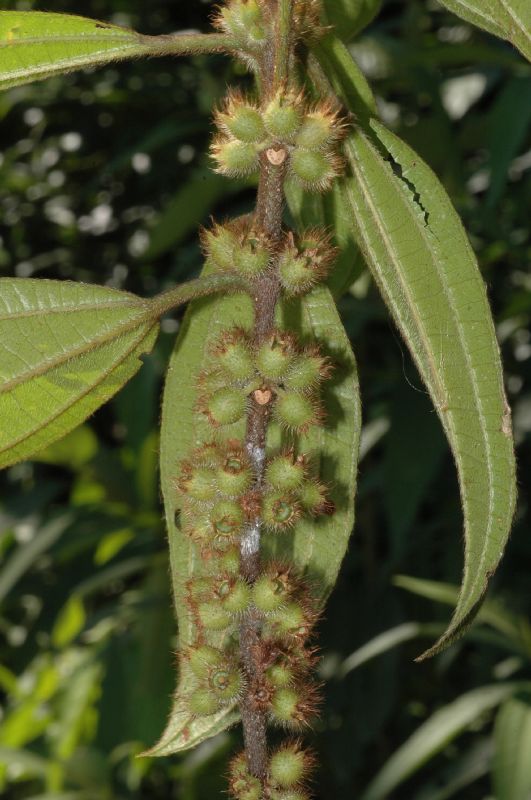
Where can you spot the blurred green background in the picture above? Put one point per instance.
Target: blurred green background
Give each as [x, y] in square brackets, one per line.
[103, 178]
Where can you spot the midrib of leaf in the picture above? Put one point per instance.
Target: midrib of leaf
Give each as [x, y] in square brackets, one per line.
[445, 417]
[480, 13]
[78, 397]
[92, 344]
[516, 19]
[74, 309]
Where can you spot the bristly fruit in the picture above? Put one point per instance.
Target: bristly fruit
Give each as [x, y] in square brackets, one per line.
[274, 357]
[294, 707]
[297, 411]
[321, 127]
[315, 170]
[244, 21]
[219, 244]
[233, 158]
[252, 257]
[213, 616]
[203, 703]
[233, 354]
[285, 472]
[283, 117]
[243, 785]
[272, 590]
[234, 475]
[308, 369]
[289, 765]
[240, 119]
[280, 510]
[203, 658]
[225, 406]
[303, 265]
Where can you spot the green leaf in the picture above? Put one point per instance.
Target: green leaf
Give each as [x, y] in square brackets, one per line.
[417, 250]
[512, 741]
[346, 78]
[435, 734]
[317, 547]
[349, 17]
[70, 622]
[65, 349]
[36, 45]
[508, 19]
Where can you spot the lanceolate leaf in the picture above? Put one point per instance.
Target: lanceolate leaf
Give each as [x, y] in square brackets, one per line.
[36, 45]
[424, 266]
[349, 17]
[65, 348]
[508, 19]
[316, 547]
[512, 739]
[435, 734]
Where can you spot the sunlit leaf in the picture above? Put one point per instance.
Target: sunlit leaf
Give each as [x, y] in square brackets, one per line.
[508, 19]
[424, 266]
[435, 734]
[349, 17]
[512, 741]
[65, 348]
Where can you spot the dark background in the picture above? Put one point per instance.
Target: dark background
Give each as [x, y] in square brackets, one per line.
[91, 170]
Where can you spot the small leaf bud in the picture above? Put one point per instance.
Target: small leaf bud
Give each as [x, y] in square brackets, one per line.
[203, 658]
[315, 170]
[233, 354]
[274, 357]
[280, 511]
[203, 703]
[213, 616]
[289, 765]
[296, 411]
[227, 518]
[285, 473]
[234, 159]
[226, 406]
[283, 118]
[219, 245]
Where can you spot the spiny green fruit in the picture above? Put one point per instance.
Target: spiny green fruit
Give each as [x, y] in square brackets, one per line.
[290, 794]
[234, 476]
[243, 20]
[225, 683]
[289, 765]
[294, 707]
[227, 518]
[203, 703]
[233, 158]
[208, 455]
[280, 510]
[219, 244]
[203, 658]
[213, 616]
[283, 117]
[315, 170]
[197, 482]
[197, 527]
[271, 591]
[229, 561]
[275, 356]
[234, 593]
[307, 370]
[297, 411]
[303, 265]
[233, 354]
[252, 257]
[285, 472]
[321, 126]
[241, 119]
[243, 785]
[294, 621]
[226, 406]
[313, 499]
[281, 674]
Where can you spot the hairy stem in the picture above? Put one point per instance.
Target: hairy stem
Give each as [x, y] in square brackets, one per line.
[268, 220]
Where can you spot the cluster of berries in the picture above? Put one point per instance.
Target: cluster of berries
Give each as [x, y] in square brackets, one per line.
[287, 128]
[303, 261]
[289, 768]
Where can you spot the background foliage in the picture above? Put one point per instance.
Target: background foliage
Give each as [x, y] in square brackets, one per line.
[103, 179]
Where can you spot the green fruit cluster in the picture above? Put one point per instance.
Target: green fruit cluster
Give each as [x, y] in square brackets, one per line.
[307, 136]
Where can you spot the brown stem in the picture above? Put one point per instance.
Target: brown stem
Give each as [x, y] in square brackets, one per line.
[267, 220]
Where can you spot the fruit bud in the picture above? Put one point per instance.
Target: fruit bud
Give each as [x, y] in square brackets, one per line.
[203, 658]
[275, 355]
[234, 476]
[289, 765]
[296, 411]
[227, 518]
[234, 159]
[241, 120]
[213, 616]
[233, 354]
[219, 244]
[203, 703]
[252, 257]
[280, 510]
[284, 473]
[226, 406]
[283, 118]
[315, 170]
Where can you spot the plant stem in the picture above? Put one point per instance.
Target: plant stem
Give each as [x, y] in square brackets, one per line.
[199, 287]
[182, 44]
[267, 220]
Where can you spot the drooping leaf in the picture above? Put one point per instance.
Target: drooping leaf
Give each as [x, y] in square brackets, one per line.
[423, 264]
[508, 19]
[349, 17]
[65, 349]
[435, 734]
[36, 45]
[512, 742]
[317, 547]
